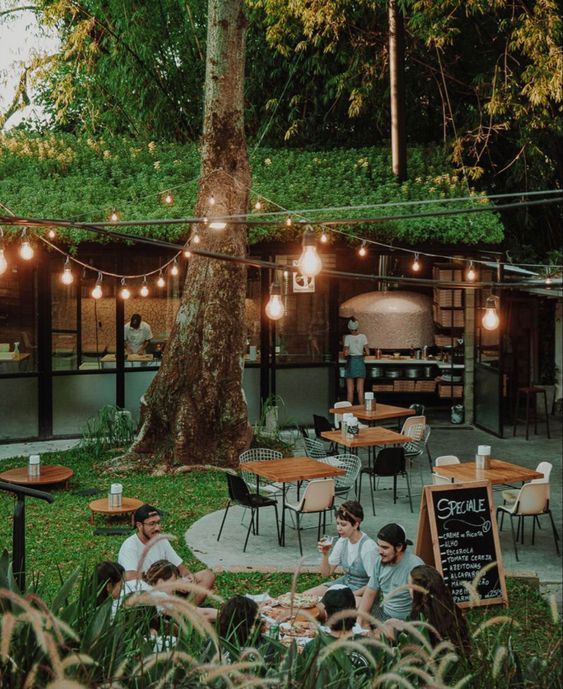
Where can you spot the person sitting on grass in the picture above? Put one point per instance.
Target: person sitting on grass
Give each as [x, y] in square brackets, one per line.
[109, 578]
[432, 601]
[354, 552]
[240, 625]
[144, 548]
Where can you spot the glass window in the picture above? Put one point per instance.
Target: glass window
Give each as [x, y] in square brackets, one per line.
[64, 319]
[18, 329]
[97, 324]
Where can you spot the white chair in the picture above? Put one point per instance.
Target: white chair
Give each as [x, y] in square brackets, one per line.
[417, 428]
[314, 448]
[351, 464]
[317, 498]
[444, 460]
[338, 417]
[510, 496]
[532, 501]
[260, 454]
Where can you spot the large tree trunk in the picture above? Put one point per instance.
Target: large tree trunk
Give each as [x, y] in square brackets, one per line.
[195, 411]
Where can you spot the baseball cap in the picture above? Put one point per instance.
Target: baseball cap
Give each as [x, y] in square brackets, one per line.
[144, 512]
[338, 598]
[394, 534]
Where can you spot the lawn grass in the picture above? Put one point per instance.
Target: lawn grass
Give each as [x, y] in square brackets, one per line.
[60, 538]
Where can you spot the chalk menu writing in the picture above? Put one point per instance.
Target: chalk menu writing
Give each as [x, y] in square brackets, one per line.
[466, 540]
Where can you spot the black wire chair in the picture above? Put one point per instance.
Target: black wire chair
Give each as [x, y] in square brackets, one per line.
[240, 495]
[321, 424]
[390, 461]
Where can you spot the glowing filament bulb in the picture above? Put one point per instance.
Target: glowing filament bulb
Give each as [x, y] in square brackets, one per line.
[275, 308]
[196, 238]
[288, 222]
[67, 276]
[324, 237]
[471, 274]
[309, 263]
[258, 205]
[144, 291]
[160, 282]
[548, 280]
[174, 270]
[124, 293]
[26, 250]
[362, 251]
[51, 234]
[187, 253]
[3, 262]
[168, 199]
[97, 291]
[416, 264]
[114, 216]
[490, 319]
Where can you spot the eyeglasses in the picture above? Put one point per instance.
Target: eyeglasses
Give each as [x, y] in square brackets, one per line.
[153, 523]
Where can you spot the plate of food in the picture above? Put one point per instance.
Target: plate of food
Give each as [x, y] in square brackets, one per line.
[300, 600]
[297, 628]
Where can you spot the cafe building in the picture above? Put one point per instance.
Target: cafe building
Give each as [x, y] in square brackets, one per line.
[61, 350]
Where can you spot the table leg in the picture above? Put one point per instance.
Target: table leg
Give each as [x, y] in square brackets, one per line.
[283, 515]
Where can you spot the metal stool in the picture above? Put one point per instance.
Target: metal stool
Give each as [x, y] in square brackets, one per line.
[530, 395]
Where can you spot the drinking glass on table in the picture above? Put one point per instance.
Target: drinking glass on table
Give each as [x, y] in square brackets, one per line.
[325, 544]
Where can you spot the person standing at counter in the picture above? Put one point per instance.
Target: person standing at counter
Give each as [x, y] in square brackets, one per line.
[138, 334]
[355, 346]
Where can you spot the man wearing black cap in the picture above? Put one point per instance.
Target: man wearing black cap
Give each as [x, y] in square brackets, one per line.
[144, 548]
[392, 570]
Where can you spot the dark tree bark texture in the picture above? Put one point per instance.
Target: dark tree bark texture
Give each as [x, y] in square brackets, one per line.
[195, 410]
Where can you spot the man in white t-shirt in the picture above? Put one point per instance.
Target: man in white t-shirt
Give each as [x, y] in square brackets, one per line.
[138, 335]
[144, 548]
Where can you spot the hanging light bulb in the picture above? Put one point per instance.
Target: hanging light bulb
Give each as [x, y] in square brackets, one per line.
[144, 291]
[67, 277]
[187, 253]
[362, 251]
[416, 264]
[548, 280]
[114, 216]
[288, 222]
[490, 319]
[471, 274]
[97, 291]
[324, 237]
[211, 200]
[167, 198]
[205, 220]
[51, 234]
[3, 262]
[124, 292]
[174, 270]
[275, 308]
[196, 238]
[309, 262]
[217, 224]
[161, 281]
[258, 205]
[26, 250]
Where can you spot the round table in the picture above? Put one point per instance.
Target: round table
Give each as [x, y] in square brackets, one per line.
[50, 475]
[128, 506]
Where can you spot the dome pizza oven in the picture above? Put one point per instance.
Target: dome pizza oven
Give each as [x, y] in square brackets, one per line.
[392, 320]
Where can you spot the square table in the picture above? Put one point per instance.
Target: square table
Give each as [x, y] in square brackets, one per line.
[382, 412]
[289, 470]
[498, 472]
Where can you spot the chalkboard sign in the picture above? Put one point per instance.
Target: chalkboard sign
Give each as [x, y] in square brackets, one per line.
[457, 533]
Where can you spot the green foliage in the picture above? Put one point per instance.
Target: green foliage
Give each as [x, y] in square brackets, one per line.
[63, 176]
[111, 428]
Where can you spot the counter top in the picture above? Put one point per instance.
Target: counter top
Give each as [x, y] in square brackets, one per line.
[406, 360]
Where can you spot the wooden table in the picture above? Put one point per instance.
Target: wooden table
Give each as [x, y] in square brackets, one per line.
[289, 470]
[128, 506]
[382, 412]
[368, 437]
[51, 475]
[499, 472]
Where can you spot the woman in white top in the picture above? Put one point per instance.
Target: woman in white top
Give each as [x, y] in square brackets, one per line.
[355, 346]
[354, 552]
